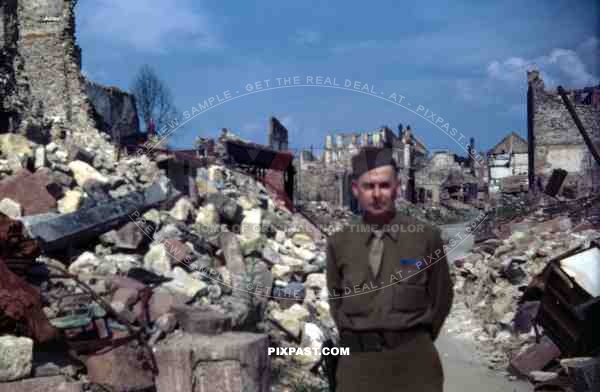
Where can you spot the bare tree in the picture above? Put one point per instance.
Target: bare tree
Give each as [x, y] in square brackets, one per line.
[153, 98]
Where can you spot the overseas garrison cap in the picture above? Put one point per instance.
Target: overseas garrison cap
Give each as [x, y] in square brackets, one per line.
[369, 158]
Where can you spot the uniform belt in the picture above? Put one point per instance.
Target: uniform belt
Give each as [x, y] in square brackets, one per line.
[377, 340]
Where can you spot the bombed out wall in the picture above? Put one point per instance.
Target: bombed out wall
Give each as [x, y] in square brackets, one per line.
[116, 110]
[10, 104]
[316, 182]
[41, 85]
[52, 62]
[557, 142]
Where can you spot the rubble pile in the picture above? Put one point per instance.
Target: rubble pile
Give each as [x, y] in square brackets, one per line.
[231, 261]
[66, 175]
[329, 218]
[448, 212]
[492, 279]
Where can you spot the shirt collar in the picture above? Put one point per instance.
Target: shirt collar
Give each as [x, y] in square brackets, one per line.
[390, 229]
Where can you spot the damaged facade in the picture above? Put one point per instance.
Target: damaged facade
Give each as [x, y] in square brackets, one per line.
[115, 112]
[447, 175]
[340, 147]
[508, 160]
[555, 140]
[42, 90]
[278, 135]
[329, 178]
[44, 85]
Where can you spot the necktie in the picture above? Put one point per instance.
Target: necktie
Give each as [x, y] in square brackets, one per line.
[376, 251]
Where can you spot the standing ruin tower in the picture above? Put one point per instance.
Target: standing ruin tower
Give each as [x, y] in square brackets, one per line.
[46, 65]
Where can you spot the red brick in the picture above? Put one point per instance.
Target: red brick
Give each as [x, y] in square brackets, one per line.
[29, 190]
[178, 250]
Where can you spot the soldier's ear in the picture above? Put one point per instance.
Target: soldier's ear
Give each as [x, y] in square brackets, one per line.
[355, 188]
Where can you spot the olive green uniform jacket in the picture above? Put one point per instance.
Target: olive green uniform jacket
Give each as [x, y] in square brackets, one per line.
[412, 288]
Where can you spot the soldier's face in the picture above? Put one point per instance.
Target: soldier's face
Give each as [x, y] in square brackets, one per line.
[376, 190]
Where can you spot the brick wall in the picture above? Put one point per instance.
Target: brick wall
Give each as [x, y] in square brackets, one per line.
[318, 182]
[558, 142]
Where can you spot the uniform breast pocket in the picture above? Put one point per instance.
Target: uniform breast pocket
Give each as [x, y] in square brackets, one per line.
[409, 297]
[411, 265]
[358, 295]
[414, 274]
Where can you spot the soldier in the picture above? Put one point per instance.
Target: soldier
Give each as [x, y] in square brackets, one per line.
[389, 287]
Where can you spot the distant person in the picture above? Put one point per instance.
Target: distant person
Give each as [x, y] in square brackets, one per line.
[390, 288]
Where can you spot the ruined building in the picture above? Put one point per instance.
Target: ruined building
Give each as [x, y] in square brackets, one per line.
[115, 112]
[506, 159]
[348, 144]
[278, 136]
[330, 178]
[447, 175]
[43, 63]
[554, 139]
[41, 85]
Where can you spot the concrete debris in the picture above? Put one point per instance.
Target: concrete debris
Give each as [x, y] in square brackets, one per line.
[312, 337]
[185, 285]
[501, 284]
[251, 224]
[182, 210]
[16, 355]
[158, 260]
[292, 318]
[234, 254]
[539, 376]
[130, 236]
[70, 202]
[228, 361]
[207, 215]
[11, 208]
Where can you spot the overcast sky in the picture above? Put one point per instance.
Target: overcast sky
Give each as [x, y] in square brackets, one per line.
[465, 63]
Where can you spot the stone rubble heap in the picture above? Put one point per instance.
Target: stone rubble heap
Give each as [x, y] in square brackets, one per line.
[67, 175]
[234, 254]
[329, 218]
[491, 279]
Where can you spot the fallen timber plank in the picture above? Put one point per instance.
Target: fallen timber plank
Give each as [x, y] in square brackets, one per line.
[56, 232]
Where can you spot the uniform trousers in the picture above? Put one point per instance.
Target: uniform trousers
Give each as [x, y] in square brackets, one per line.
[414, 366]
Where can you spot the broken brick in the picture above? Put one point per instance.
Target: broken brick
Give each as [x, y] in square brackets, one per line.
[534, 358]
[29, 190]
[178, 251]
